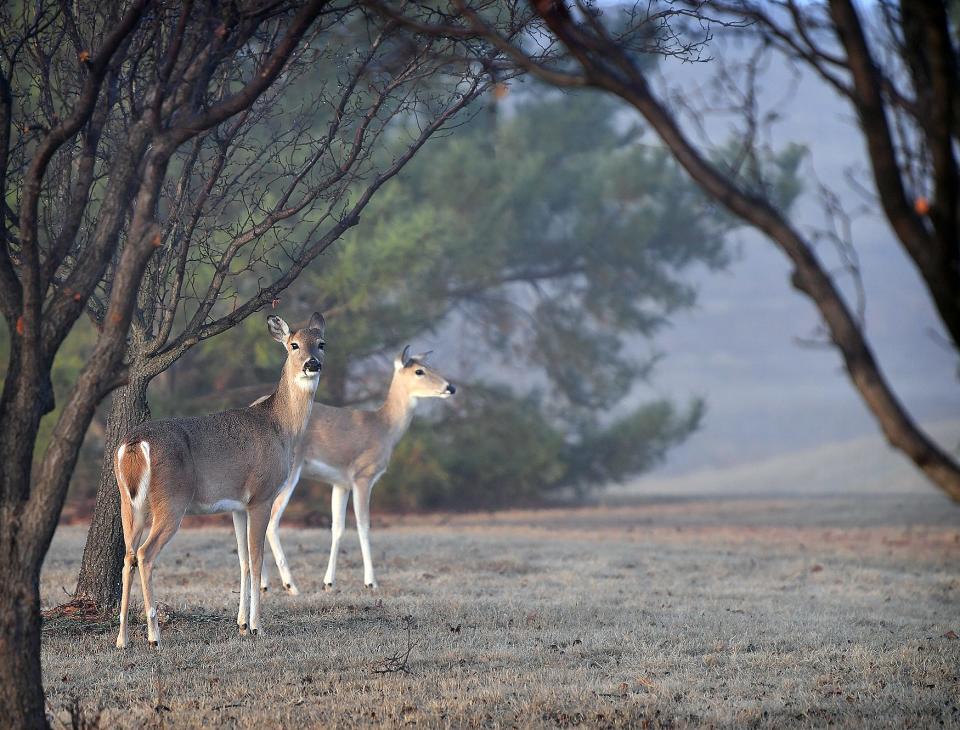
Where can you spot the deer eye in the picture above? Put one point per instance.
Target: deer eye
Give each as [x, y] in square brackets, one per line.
[323, 345]
[419, 371]
[294, 346]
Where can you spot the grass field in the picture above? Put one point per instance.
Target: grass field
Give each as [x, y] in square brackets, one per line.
[660, 610]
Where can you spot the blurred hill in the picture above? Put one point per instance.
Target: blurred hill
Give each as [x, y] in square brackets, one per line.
[766, 394]
[866, 467]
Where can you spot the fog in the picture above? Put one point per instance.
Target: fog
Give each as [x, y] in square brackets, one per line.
[767, 395]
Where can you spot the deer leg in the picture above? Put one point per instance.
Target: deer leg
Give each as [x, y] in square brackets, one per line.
[132, 530]
[240, 530]
[338, 518]
[164, 527]
[361, 509]
[257, 519]
[273, 536]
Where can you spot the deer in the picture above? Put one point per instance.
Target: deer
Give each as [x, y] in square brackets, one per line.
[234, 461]
[350, 449]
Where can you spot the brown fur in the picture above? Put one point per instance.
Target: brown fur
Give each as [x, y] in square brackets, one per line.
[234, 461]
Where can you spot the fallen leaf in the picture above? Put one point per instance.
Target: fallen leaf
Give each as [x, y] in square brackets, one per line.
[950, 635]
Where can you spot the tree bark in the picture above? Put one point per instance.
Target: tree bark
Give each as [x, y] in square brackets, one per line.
[21, 691]
[100, 570]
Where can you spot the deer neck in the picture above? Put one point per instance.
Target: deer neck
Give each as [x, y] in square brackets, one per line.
[397, 409]
[292, 402]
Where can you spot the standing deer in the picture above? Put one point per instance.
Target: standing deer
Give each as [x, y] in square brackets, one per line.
[234, 461]
[351, 449]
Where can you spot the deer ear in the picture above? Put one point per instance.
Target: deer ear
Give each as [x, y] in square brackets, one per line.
[279, 329]
[401, 362]
[317, 322]
[422, 357]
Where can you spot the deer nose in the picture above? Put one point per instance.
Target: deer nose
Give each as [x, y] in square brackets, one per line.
[313, 365]
[451, 388]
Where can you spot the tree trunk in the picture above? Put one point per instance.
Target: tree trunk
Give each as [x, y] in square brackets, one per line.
[21, 687]
[100, 571]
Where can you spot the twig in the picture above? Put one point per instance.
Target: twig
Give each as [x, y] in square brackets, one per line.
[398, 662]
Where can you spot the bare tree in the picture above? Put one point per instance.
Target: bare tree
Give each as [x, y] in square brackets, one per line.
[131, 130]
[899, 75]
[255, 201]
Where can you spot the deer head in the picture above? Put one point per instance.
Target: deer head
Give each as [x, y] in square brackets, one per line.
[304, 348]
[419, 380]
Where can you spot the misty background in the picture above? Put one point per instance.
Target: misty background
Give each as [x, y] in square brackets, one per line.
[767, 395]
[779, 414]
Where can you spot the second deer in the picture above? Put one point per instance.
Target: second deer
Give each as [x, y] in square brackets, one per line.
[350, 449]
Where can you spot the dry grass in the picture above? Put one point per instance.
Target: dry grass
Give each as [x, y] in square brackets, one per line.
[669, 613]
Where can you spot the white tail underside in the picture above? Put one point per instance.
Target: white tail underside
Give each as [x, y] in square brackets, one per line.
[140, 499]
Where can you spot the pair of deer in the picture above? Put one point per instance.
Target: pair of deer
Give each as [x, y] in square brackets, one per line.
[248, 461]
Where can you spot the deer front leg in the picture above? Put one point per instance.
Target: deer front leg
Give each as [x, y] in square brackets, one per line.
[361, 509]
[240, 530]
[338, 518]
[257, 518]
[273, 536]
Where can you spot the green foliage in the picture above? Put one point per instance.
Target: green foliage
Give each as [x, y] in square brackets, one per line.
[554, 233]
[494, 450]
[70, 360]
[499, 450]
[547, 241]
[630, 445]
[550, 235]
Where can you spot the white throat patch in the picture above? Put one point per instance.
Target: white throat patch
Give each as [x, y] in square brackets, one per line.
[308, 382]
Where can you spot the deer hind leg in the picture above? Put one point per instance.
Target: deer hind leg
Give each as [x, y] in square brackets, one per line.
[132, 470]
[257, 519]
[164, 527]
[273, 536]
[338, 518]
[132, 531]
[240, 530]
[361, 509]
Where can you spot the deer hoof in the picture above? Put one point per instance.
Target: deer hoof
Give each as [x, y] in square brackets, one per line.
[291, 589]
[155, 644]
[373, 586]
[328, 586]
[264, 589]
[243, 629]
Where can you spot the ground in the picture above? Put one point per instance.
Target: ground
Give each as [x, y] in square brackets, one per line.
[655, 610]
